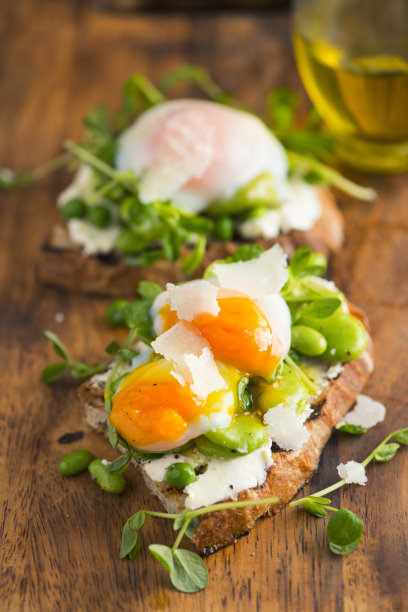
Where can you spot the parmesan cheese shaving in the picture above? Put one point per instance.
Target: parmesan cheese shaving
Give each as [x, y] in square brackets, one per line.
[204, 375]
[285, 427]
[352, 472]
[193, 298]
[191, 357]
[256, 278]
[366, 412]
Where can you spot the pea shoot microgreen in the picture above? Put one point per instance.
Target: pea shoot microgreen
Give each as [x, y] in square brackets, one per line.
[77, 369]
[187, 570]
[345, 528]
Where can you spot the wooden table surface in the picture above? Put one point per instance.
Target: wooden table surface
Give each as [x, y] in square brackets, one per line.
[60, 537]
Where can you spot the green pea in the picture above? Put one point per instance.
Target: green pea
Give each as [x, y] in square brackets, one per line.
[224, 228]
[307, 340]
[115, 313]
[99, 215]
[75, 462]
[112, 482]
[180, 474]
[73, 209]
[245, 434]
[345, 335]
[211, 449]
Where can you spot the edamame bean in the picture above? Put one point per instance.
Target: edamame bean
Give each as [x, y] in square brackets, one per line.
[345, 335]
[180, 474]
[73, 209]
[307, 340]
[115, 313]
[75, 462]
[112, 482]
[245, 434]
[99, 215]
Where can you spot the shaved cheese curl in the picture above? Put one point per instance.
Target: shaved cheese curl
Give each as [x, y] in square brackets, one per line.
[192, 359]
[193, 298]
[256, 278]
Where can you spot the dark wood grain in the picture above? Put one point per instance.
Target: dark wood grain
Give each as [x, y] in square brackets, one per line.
[60, 537]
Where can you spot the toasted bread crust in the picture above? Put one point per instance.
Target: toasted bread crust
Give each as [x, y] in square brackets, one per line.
[62, 263]
[285, 477]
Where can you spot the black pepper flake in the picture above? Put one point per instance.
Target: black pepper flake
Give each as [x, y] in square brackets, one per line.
[176, 456]
[71, 437]
[231, 486]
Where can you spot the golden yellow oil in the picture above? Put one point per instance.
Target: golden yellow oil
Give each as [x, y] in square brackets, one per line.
[363, 99]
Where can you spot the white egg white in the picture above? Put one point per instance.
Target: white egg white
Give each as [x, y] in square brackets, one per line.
[194, 151]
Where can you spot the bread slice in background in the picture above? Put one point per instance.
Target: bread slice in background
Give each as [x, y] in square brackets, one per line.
[63, 265]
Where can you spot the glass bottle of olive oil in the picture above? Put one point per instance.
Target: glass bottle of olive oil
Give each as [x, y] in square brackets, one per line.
[361, 92]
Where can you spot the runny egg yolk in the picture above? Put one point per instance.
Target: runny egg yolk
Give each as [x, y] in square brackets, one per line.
[239, 335]
[153, 411]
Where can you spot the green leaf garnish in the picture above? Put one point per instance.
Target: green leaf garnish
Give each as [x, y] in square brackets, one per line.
[319, 308]
[386, 452]
[83, 371]
[192, 526]
[164, 555]
[245, 400]
[112, 435]
[149, 290]
[58, 346]
[53, 371]
[112, 348]
[130, 541]
[198, 75]
[127, 354]
[306, 262]
[401, 436]
[189, 574]
[344, 531]
[120, 463]
[350, 428]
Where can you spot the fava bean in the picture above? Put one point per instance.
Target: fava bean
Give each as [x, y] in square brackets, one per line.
[75, 462]
[211, 449]
[112, 482]
[307, 340]
[287, 389]
[180, 474]
[245, 434]
[345, 335]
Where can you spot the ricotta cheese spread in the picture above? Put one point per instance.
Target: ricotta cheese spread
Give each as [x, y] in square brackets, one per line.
[299, 211]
